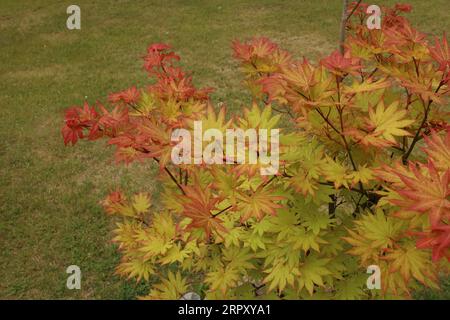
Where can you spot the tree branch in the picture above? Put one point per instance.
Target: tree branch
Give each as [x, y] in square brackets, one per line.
[417, 135]
[172, 177]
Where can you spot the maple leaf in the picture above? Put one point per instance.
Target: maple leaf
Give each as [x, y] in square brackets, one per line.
[141, 202]
[388, 122]
[257, 119]
[71, 134]
[260, 47]
[441, 53]
[300, 75]
[129, 96]
[156, 140]
[336, 173]
[280, 275]
[363, 175]
[227, 182]
[426, 193]
[114, 120]
[175, 254]
[438, 149]
[351, 288]
[341, 64]
[198, 205]
[410, 262]
[113, 201]
[135, 268]
[211, 120]
[159, 55]
[222, 279]
[372, 234]
[153, 245]
[367, 86]
[438, 239]
[76, 119]
[171, 288]
[312, 272]
[258, 203]
[316, 221]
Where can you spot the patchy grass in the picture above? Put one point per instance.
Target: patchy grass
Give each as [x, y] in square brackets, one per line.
[49, 212]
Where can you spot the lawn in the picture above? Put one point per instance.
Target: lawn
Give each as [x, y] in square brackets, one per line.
[49, 212]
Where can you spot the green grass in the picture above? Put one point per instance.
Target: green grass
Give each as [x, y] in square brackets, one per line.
[49, 212]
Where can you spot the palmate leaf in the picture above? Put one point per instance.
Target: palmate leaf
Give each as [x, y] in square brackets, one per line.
[154, 246]
[438, 239]
[226, 182]
[441, 53]
[199, 204]
[222, 279]
[254, 118]
[426, 192]
[379, 229]
[315, 220]
[336, 172]
[372, 234]
[367, 85]
[438, 149]
[312, 271]
[141, 203]
[411, 262]
[351, 288]
[171, 288]
[175, 254]
[280, 275]
[363, 175]
[259, 203]
[389, 122]
[136, 267]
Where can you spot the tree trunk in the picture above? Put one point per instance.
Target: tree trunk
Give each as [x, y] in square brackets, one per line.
[343, 24]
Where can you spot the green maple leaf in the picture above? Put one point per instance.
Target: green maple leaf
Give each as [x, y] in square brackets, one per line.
[351, 288]
[141, 203]
[222, 279]
[311, 273]
[280, 275]
[171, 288]
[412, 262]
[259, 203]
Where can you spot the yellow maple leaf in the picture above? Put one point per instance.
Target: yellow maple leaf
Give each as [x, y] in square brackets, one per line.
[141, 202]
[388, 122]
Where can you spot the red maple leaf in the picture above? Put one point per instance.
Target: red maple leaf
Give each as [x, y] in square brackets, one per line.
[341, 64]
[441, 53]
[129, 96]
[76, 119]
[426, 193]
[438, 240]
[199, 205]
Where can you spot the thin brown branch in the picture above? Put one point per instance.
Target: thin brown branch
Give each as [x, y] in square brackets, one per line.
[172, 177]
[222, 211]
[422, 124]
[353, 11]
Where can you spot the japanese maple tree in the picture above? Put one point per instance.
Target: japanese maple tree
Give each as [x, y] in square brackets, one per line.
[363, 179]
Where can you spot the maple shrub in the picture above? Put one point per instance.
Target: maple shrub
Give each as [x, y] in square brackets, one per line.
[363, 177]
